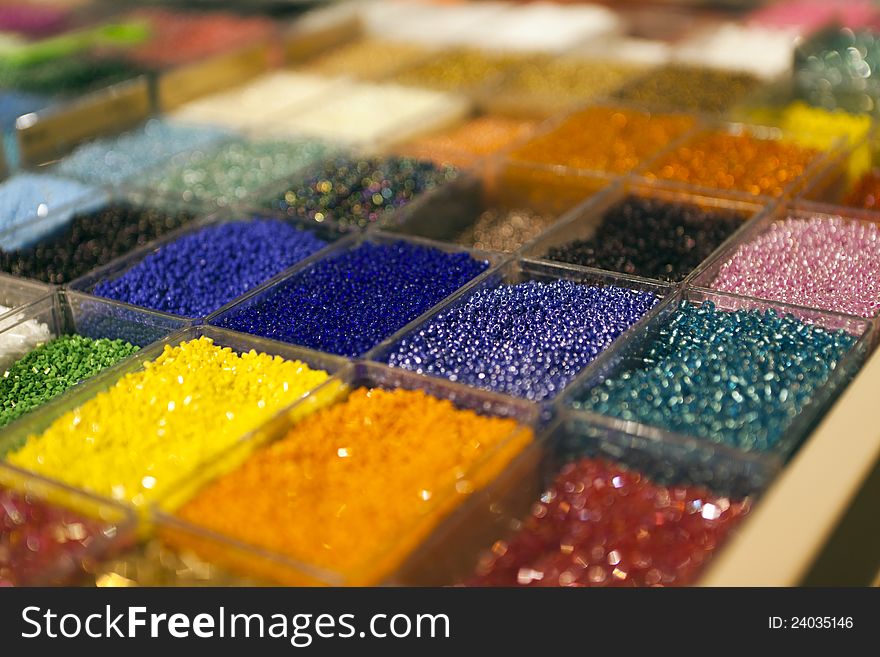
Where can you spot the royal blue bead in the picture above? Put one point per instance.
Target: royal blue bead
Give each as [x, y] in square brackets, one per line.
[529, 340]
[738, 378]
[350, 302]
[201, 271]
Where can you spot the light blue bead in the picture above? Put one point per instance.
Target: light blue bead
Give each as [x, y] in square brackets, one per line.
[33, 205]
[115, 160]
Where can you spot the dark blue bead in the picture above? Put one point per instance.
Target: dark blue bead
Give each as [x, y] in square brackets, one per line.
[350, 302]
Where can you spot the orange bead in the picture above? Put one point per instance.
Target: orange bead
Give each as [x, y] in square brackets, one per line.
[354, 488]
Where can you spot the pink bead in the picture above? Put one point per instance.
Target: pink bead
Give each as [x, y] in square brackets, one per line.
[823, 262]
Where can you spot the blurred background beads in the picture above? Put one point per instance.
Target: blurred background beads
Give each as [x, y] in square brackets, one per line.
[609, 139]
[459, 70]
[117, 159]
[42, 544]
[548, 87]
[466, 144]
[738, 378]
[233, 172]
[367, 59]
[689, 88]
[33, 205]
[351, 193]
[737, 162]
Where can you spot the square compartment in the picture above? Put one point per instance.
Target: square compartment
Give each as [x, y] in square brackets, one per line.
[692, 448]
[258, 295]
[817, 166]
[457, 207]
[242, 557]
[523, 270]
[704, 276]
[582, 223]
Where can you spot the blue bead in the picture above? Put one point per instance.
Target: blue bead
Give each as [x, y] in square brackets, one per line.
[529, 340]
[198, 273]
[348, 303]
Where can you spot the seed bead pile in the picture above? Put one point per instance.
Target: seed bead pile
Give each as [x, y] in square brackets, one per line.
[613, 140]
[825, 262]
[348, 303]
[458, 70]
[42, 544]
[690, 88]
[355, 193]
[651, 238]
[601, 525]
[18, 340]
[315, 496]
[233, 172]
[736, 378]
[199, 272]
[368, 59]
[156, 425]
[90, 240]
[738, 162]
[115, 160]
[504, 230]
[529, 340]
[548, 87]
[179, 37]
[464, 145]
[54, 367]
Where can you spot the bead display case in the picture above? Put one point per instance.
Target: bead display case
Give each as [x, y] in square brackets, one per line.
[451, 224]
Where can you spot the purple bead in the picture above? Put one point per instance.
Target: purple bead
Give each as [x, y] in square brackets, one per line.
[198, 273]
[528, 340]
[348, 303]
